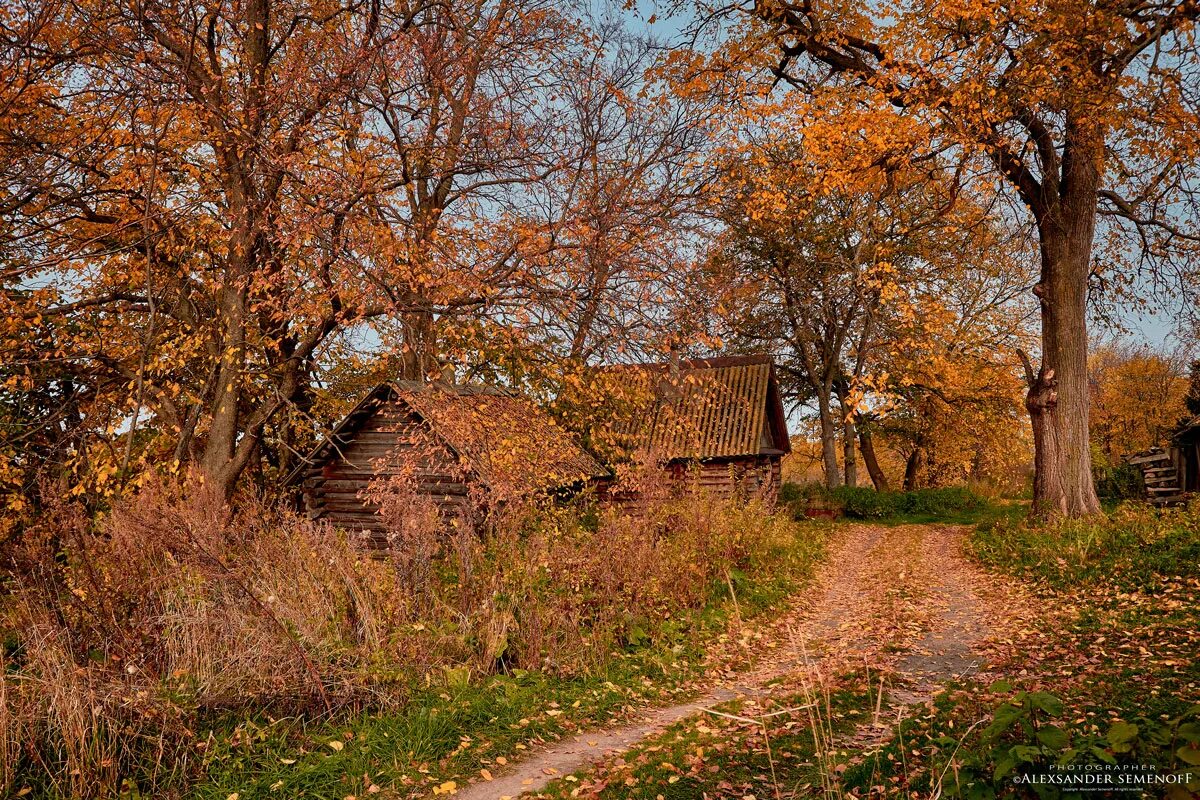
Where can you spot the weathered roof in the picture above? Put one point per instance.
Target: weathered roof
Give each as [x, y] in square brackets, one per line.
[506, 441]
[1188, 431]
[707, 408]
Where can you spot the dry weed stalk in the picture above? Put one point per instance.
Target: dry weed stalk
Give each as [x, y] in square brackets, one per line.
[172, 607]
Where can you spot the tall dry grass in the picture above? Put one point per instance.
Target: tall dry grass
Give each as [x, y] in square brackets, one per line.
[128, 631]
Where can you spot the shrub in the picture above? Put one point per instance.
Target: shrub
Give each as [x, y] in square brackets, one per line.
[861, 502]
[943, 500]
[128, 632]
[1120, 482]
[865, 503]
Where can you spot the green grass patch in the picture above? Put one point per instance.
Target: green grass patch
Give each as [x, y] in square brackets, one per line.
[1133, 547]
[443, 733]
[951, 504]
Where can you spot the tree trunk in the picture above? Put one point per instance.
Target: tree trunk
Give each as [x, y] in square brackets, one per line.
[1058, 398]
[829, 438]
[418, 360]
[224, 419]
[866, 443]
[914, 467]
[849, 462]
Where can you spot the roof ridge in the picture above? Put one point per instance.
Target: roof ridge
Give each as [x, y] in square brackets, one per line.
[704, 362]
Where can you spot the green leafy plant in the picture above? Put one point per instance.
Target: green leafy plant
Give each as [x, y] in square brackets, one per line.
[1030, 731]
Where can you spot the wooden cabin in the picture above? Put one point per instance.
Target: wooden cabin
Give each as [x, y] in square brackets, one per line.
[715, 424]
[1185, 454]
[452, 443]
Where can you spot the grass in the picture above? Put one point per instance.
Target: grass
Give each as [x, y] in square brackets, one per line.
[955, 505]
[452, 731]
[1105, 675]
[1131, 548]
[783, 748]
[443, 733]
[177, 646]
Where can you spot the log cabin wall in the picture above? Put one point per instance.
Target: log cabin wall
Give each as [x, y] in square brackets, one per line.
[1186, 458]
[748, 478]
[745, 479]
[458, 445]
[391, 442]
[1184, 450]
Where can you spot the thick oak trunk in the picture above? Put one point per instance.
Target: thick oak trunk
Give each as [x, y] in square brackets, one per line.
[1058, 400]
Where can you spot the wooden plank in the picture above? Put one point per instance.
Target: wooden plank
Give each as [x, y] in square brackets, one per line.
[353, 485]
[353, 472]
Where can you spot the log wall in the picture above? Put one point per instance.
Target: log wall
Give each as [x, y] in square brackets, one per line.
[748, 478]
[392, 442]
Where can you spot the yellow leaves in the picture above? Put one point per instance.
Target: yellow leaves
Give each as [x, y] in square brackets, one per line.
[335, 745]
[447, 788]
[1137, 397]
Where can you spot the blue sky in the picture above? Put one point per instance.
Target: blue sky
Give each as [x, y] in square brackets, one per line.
[1157, 327]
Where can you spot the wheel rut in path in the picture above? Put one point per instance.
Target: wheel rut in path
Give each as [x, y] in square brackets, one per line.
[836, 622]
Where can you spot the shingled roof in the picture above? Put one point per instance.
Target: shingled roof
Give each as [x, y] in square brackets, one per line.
[707, 408]
[506, 441]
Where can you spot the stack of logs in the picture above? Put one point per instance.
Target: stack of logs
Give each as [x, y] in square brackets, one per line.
[1160, 476]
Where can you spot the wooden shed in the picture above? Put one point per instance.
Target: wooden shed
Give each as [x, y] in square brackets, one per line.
[1185, 454]
[453, 443]
[717, 424]
[1172, 472]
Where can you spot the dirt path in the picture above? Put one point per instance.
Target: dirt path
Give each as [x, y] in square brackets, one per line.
[903, 598]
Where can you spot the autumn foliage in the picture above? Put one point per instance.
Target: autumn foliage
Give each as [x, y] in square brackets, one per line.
[175, 610]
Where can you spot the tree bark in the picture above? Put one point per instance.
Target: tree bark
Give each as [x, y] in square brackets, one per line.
[418, 361]
[829, 439]
[866, 443]
[224, 415]
[914, 466]
[1058, 399]
[849, 462]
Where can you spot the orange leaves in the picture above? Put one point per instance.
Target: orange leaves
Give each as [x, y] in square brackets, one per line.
[1137, 398]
